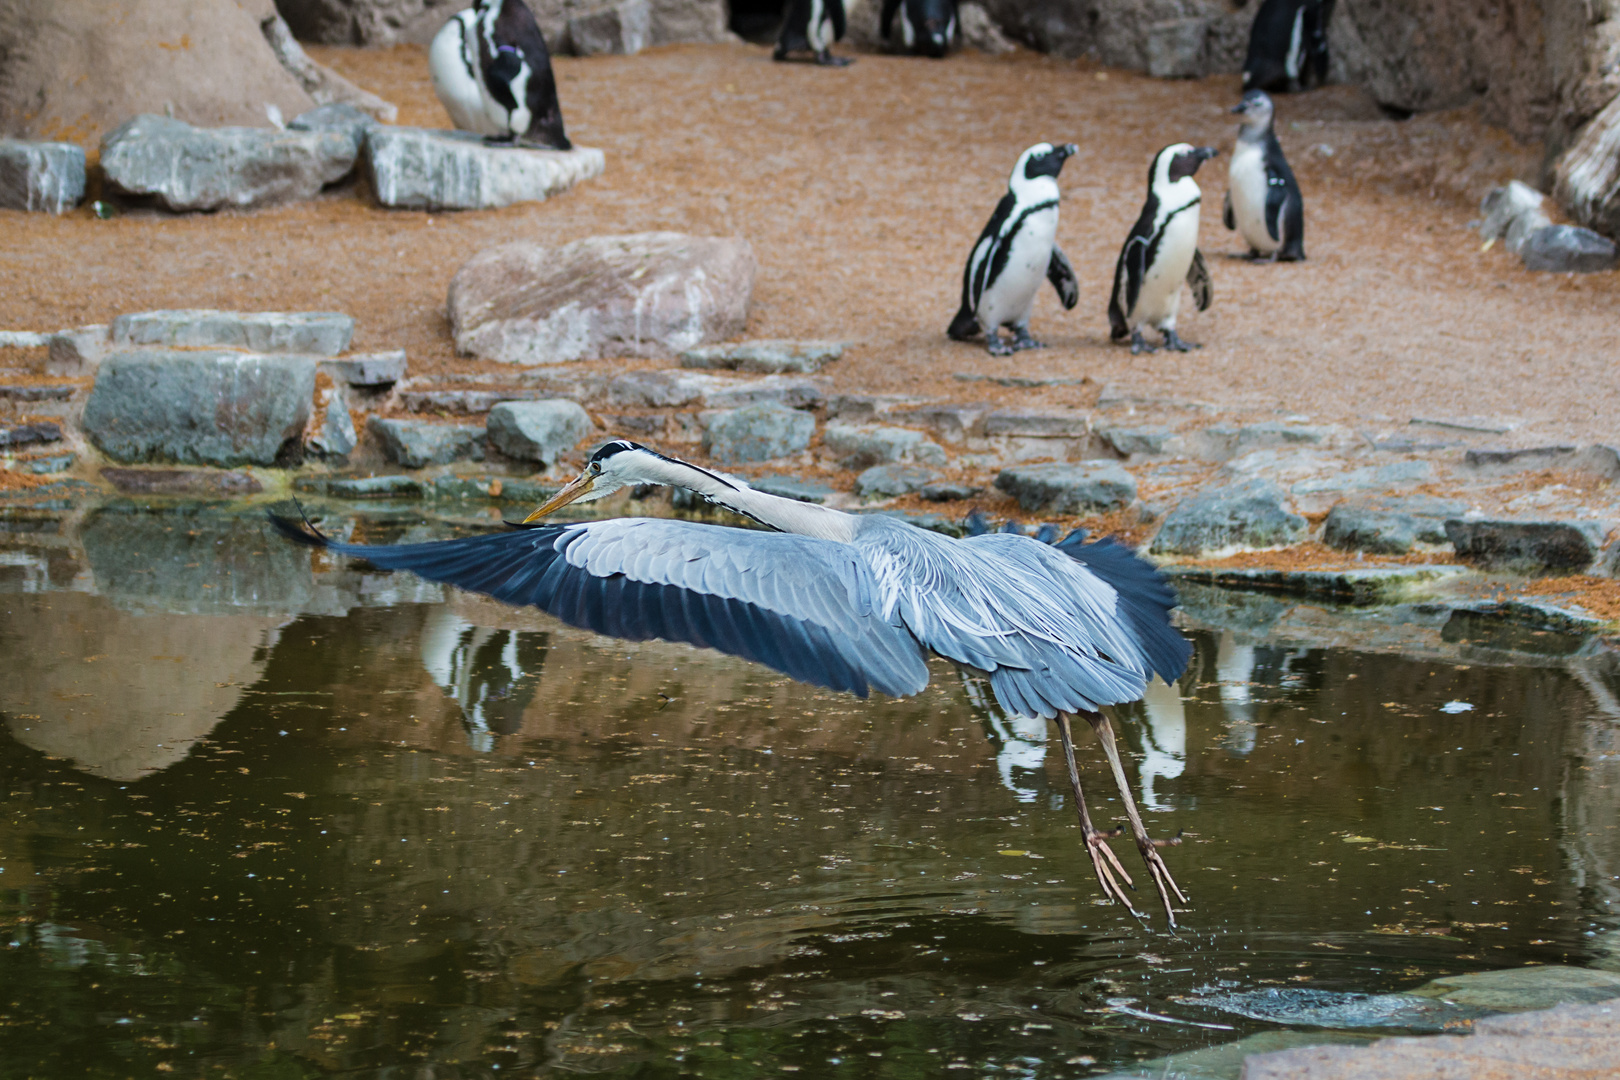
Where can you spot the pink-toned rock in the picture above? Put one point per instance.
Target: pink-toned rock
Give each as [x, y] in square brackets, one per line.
[646, 294]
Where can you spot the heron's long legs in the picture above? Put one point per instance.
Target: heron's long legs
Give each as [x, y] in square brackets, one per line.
[1145, 844]
[1103, 860]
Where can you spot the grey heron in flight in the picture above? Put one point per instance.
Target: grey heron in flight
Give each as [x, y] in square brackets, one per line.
[850, 602]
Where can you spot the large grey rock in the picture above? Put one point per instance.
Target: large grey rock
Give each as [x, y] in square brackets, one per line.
[1252, 513]
[193, 168]
[368, 369]
[46, 176]
[860, 446]
[1569, 249]
[423, 169]
[200, 408]
[340, 117]
[1089, 487]
[671, 389]
[889, 481]
[1389, 527]
[623, 28]
[312, 333]
[417, 444]
[1153, 439]
[756, 433]
[951, 423]
[767, 357]
[537, 430]
[1512, 212]
[1175, 48]
[1527, 546]
[335, 435]
[646, 294]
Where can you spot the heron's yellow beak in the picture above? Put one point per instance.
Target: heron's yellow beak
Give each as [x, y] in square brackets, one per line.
[580, 485]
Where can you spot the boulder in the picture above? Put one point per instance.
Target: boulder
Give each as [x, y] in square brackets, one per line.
[417, 444]
[342, 118]
[425, 169]
[1250, 514]
[200, 407]
[330, 90]
[28, 433]
[1389, 527]
[1512, 212]
[194, 168]
[537, 430]
[1568, 249]
[368, 369]
[646, 294]
[765, 357]
[1127, 441]
[1536, 547]
[889, 481]
[756, 433]
[622, 28]
[949, 423]
[861, 446]
[314, 333]
[335, 435]
[1087, 488]
[47, 176]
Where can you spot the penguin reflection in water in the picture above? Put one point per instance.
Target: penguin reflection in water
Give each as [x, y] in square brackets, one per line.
[1017, 248]
[492, 72]
[1262, 197]
[812, 26]
[1162, 252]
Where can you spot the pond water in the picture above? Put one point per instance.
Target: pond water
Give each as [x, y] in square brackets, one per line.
[271, 814]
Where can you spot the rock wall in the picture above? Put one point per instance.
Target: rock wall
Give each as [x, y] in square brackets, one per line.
[1208, 35]
[389, 22]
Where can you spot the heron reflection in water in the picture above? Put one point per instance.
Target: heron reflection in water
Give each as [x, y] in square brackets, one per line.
[850, 602]
[492, 674]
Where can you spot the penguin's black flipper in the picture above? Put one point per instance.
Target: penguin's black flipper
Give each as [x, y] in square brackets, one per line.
[964, 326]
[886, 19]
[1293, 230]
[1198, 280]
[1061, 275]
[1228, 218]
[1118, 328]
[835, 11]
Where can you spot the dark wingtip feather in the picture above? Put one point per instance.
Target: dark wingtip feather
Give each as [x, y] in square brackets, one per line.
[301, 532]
[1145, 600]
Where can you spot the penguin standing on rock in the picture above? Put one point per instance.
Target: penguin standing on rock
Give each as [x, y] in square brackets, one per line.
[1262, 197]
[492, 72]
[1162, 252]
[812, 26]
[1014, 252]
[1288, 45]
[927, 27]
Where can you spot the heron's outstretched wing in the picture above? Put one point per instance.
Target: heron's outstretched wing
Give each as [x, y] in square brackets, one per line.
[806, 607]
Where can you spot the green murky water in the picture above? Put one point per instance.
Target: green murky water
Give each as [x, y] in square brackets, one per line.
[271, 815]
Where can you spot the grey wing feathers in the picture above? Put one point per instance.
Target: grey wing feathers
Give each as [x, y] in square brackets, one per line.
[806, 607]
[1198, 280]
[1061, 275]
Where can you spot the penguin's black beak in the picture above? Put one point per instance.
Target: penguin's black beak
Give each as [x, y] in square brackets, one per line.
[1240, 108]
[1206, 152]
[1066, 151]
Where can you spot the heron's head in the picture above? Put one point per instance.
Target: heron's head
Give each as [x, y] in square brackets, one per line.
[615, 464]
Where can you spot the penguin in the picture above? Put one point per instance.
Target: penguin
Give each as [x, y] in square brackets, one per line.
[1262, 197]
[496, 47]
[1287, 43]
[927, 27]
[1016, 249]
[813, 25]
[1161, 252]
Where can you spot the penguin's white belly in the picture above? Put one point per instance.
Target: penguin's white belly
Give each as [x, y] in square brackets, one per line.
[820, 30]
[456, 87]
[1247, 182]
[1160, 297]
[1010, 298]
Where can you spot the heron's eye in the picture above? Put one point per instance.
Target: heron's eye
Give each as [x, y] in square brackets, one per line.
[596, 468]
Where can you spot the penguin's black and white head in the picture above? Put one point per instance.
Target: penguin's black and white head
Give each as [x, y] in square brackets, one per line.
[1039, 167]
[1257, 112]
[1177, 163]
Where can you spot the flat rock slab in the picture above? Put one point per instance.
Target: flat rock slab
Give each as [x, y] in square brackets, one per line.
[192, 168]
[1568, 249]
[1389, 526]
[181, 482]
[537, 430]
[672, 389]
[1037, 425]
[949, 491]
[1537, 547]
[364, 487]
[756, 433]
[1129, 441]
[30, 433]
[1249, 514]
[1597, 460]
[952, 423]
[765, 357]
[37, 391]
[41, 176]
[1534, 986]
[860, 446]
[312, 333]
[368, 369]
[200, 408]
[337, 116]
[1089, 487]
[791, 487]
[425, 169]
[890, 481]
[1377, 585]
[645, 294]
[417, 444]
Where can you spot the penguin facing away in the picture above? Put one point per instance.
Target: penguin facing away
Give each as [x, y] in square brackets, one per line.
[812, 26]
[1017, 248]
[1287, 44]
[497, 46]
[1263, 202]
[927, 27]
[1161, 252]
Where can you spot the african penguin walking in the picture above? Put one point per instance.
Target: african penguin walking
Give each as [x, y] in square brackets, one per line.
[1262, 197]
[1287, 43]
[492, 72]
[1017, 248]
[813, 25]
[1162, 252]
[927, 27]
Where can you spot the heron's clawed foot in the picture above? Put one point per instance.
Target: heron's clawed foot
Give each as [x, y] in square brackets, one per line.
[1162, 881]
[1173, 342]
[1106, 866]
[1139, 344]
[1022, 340]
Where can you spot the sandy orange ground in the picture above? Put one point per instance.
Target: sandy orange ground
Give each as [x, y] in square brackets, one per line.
[862, 190]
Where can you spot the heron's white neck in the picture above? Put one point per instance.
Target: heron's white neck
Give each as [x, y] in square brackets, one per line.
[784, 515]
